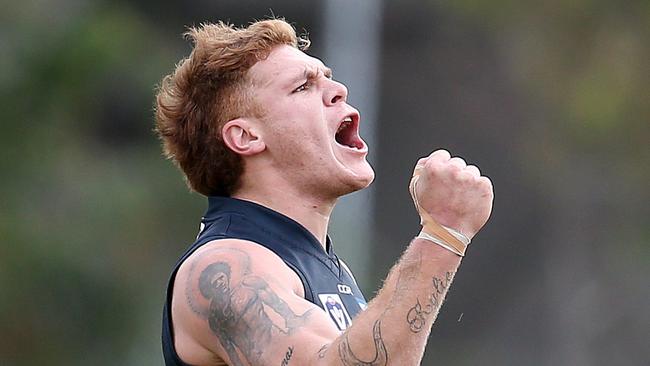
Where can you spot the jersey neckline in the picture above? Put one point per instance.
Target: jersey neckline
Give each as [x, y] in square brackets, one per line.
[270, 220]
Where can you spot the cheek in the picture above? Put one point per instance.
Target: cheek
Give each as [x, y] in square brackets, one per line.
[300, 131]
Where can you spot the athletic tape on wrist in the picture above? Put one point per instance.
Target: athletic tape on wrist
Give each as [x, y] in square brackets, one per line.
[432, 230]
[439, 242]
[465, 240]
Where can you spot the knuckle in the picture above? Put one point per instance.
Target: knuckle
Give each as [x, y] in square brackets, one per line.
[432, 163]
[486, 180]
[442, 153]
[474, 170]
[486, 183]
[458, 160]
[455, 168]
[434, 170]
[465, 177]
[420, 163]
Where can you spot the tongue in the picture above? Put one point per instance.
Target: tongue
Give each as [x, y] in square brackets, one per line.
[346, 138]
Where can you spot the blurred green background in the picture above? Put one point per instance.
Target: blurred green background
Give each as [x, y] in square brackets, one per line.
[551, 99]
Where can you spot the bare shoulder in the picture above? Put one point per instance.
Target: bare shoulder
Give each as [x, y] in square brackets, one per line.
[233, 297]
[242, 258]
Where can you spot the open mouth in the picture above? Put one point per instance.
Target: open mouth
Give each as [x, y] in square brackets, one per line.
[348, 133]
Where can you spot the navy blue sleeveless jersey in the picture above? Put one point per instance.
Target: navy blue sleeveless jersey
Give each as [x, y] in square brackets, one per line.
[328, 283]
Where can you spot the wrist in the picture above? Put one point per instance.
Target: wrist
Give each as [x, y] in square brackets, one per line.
[435, 240]
[446, 238]
[455, 226]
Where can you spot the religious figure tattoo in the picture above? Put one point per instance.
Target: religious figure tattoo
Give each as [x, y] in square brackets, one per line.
[244, 312]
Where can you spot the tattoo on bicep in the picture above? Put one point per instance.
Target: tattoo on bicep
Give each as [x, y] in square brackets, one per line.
[287, 357]
[245, 314]
[234, 255]
[416, 317]
[381, 355]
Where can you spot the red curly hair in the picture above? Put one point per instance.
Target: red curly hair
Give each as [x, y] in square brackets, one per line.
[208, 89]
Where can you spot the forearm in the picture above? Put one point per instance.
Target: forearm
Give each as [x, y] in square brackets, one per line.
[393, 330]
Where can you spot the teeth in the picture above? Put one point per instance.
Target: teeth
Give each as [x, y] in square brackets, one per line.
[346, 122]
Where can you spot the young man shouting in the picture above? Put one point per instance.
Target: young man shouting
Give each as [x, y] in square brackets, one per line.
[262, 130]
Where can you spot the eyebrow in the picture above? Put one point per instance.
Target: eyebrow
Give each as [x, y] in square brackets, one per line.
[311, 73]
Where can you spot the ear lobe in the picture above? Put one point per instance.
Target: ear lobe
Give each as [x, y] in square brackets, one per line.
[242, 138]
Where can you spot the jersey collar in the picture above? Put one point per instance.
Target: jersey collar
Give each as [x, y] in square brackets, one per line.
[272, 221]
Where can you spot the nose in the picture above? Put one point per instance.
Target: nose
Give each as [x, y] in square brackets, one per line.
[335, 93]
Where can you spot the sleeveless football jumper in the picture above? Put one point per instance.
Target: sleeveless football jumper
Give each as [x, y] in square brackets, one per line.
[327, 282]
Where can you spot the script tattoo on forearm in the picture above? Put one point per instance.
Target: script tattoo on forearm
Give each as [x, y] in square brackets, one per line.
[381, 355]
[418, 314]
[238, 312]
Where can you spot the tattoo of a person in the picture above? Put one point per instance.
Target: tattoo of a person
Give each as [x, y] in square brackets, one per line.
[287, 357]
[416, 317]
[381, 355]
[245, 314]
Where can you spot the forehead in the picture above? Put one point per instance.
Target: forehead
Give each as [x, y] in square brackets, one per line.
[283, 63]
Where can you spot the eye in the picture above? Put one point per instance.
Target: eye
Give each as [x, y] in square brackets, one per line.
[302, 87]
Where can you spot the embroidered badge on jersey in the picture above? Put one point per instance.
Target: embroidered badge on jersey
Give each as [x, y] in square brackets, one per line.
[344, 289]
[336, 310]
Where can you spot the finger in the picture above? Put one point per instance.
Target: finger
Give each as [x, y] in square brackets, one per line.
[421, 161]
[441, 154]
[458, 162]
[419, 165]
[473, 169]
[487, 184]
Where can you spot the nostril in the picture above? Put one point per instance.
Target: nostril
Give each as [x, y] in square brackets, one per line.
[336, 99]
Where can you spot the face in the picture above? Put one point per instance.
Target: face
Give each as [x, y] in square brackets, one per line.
[311, 133]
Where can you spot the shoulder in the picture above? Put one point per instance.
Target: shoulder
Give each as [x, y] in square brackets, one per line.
[239, 258]
[222, 289]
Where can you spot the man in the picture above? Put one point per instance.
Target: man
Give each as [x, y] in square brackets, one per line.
[264, 131]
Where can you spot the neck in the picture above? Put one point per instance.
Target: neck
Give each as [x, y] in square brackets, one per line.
[311, 212]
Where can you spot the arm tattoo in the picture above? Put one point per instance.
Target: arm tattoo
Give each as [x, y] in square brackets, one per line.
[417, 315]
[322, 350]
[287, 357]
[245, 314]
[381, 355]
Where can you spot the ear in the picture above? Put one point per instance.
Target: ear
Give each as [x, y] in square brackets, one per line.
[242, 137]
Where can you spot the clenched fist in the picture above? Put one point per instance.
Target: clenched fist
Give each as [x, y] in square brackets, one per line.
[453, 193]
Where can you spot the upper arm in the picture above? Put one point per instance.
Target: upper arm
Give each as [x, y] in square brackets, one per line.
[240, 302]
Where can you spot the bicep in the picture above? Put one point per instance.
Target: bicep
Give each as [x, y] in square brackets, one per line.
[248, 312]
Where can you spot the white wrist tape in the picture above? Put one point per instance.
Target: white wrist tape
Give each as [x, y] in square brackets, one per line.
[423, 235]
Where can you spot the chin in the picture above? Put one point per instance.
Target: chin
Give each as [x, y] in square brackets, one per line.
[361, 179]
[367, 179]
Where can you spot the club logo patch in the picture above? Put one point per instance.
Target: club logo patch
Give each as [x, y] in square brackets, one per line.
[336, 310]
[345, 289]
